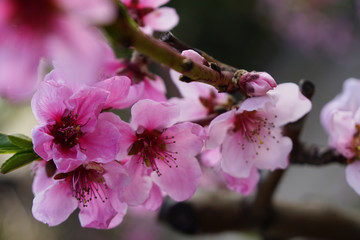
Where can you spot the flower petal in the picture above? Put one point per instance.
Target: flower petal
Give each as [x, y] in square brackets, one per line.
[153, 115]
[152, 3]
[188, 138]
[87, 103]
[48, 103]
[237, 155]
[67, 160]
[218, 129]
[55, 204]
[162, 19]
[42, 141]
[291, 104]
[181, 182]
[140, 184]
[273, 151]
[118, 87]
[243, 186]
[155, 199]
[101, 145]
[353, 175]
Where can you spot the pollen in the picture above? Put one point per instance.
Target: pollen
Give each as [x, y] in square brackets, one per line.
[67, 131]
[152, 148]
[255, 129]
[88, 184]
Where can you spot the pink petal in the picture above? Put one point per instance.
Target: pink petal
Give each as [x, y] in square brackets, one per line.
[140, 184]
[153, 115]
[181, 182]
[87, 104]
[55, 204]
[353, 175]
[238, 156]
[101, 145]
[41, 180]
[118, 87]
[154, 89]
[291, 104]
[243, 186]
[152, 3]
[115, 176]
[67, 160]
[188, 138]
[218, 129]
[347, 100]
[48, 102]
[257, 103]
[43, 142]
[190, 110]
[211, 158]
[155, 199]
[127, 135]
[194, 56]
[162, 19]
[93, 11]
[78, 51]
[18, 76]
[121, 209]
[97, 214]
[342, 129]
[273, 152]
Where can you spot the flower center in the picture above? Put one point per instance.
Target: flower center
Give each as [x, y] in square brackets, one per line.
[35, 14]
[151, 147]
[255, 128]
[87, 183]
[138, 13]
[67, 131]
[212, 104]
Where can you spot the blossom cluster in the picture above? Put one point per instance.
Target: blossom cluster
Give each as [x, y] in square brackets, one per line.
[93, 160]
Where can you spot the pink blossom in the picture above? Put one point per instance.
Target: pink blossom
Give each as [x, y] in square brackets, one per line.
[150, 17]
[211, 160]
[199, 100]
[162, 154]
[341, 120]
[71, 129]
[92, 187]
[250, 135]
[256, 84]
[56, 29]
[142, 86]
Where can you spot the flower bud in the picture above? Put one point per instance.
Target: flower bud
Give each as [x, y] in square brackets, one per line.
[194, 56]
[256, 84]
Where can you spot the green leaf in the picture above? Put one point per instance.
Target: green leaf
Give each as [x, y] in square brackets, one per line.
[18, 160]
[6, 146]
[21, 141]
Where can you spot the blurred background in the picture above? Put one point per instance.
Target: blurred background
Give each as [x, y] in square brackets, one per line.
[317, 40]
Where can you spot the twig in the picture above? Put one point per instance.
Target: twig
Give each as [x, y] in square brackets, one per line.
[174, 42]
[216, 213]
[126, 32]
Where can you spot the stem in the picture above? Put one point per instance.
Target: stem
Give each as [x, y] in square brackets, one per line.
[174, 42]
[214, 213]
[125, 31]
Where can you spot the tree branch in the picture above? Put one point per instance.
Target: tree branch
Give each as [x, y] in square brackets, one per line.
[126, 32]
[214, 213]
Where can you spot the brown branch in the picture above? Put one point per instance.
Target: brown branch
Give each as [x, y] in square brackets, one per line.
[125, 31]
[174, 42]
[214, 213]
